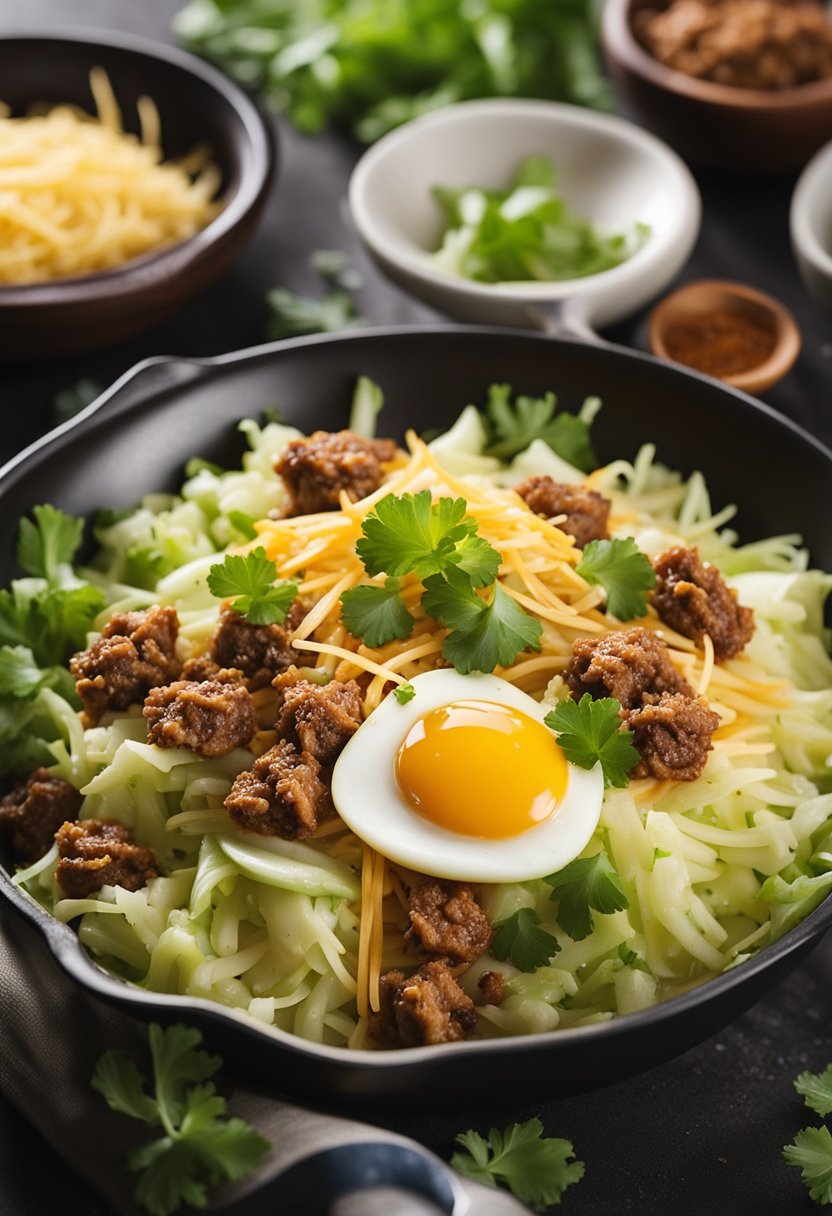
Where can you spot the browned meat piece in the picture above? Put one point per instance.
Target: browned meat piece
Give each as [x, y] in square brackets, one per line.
[446, 921]
[428, 1007]
[623, 665]
[586, 511]
[317, 718]
[93, 853]
[32, 812]
[492, 985]
[317, 469]
[259, 651]
[692, 598]
[281, 795]
[211, 717]
[136, 652]
[673, 736]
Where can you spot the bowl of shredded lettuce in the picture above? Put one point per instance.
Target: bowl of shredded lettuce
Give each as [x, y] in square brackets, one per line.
[187, 876]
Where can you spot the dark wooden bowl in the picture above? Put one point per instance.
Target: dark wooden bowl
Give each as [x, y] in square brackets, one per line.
[197, 105]
[746, 130]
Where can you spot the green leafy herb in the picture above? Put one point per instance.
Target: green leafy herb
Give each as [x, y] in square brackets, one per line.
[484, 633]
[376, 614]
[371, 64]
[20, 676]
[816, 1090]
[144, 565]
[404, 693]
[590, 732]
[519, 939]
[536, 1169]
[512, 425]
[623, 571]
[250, 578]
[527, 232]
[47, 546]
[199, 1146]
[812, 1153]
[587, 884]
[630, 959]
[409, 534]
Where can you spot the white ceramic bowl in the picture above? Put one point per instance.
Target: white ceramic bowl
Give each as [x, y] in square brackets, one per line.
[811, 225]
[611, 172]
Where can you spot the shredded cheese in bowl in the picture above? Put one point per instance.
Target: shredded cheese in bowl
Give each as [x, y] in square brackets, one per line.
[80, 195]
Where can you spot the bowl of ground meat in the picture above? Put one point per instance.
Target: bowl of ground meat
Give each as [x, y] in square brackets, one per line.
[736, 84]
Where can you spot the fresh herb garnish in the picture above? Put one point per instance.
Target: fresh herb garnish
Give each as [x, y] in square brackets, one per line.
[590, 732]
[404, 693]
[812, 1153]
[816, 1090]
[484, 633]
[251, 580]
[376, 614]
[511, 425]
[199, 1146]
[587, 884]
[536, 1169]
[630, 959]
[519, 939]
[623, 571]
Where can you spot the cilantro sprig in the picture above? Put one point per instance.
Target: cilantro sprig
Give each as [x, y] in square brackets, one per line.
[590, 732]
[520, 939]
[816, 1090]
[199, 1146]
[586, 885]
[251, 579]
[537, 1169]
[811, 1150]
[623, 571]
[511, 425]
[437, 543]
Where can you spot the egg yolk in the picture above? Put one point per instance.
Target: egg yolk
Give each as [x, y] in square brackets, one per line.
[481, 769]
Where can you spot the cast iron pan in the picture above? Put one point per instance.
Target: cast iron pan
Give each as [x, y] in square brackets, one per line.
[138, 437]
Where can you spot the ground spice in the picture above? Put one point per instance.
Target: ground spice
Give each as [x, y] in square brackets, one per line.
[720, 343]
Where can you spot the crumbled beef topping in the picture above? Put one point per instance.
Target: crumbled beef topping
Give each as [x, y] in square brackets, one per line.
[259, 651]
[201, 667]
[281, 795]
[692, 598]
[673, 736]
[492, 987]
[136, 652]
[317, 469]
[32, 812]
[210, 717]
[586, 511]
[427, 1007]
[93, 853]
[623, 665]
[317, 718]
[446, 921]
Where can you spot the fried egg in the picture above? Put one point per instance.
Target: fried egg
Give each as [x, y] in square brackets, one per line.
[465, 781]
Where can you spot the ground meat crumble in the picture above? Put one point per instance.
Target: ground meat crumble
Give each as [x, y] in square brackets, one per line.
[447, 922]
[318, 719]
[210, 717]
[317, 469]
[281, 795]
[492, 987]
[32, 812]
[259, 651]
[136, 652]
[624, 665]
[692, 598]
[93, 853]
[586, 511]
[673, 736]
[427, 1007]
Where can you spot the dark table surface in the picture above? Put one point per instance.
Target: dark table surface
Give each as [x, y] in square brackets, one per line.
[704, 1133]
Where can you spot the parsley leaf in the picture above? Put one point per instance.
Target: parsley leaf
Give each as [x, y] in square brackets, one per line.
[46, 547]
[585, 885]
[512, 425]
[410, 534]
[199, 1146]
[590, 732]
[812, 1152]
[483, 634]
[623, 571]
[519, 939]
[251, 579]
[816, 1090]
[535, 1168]
[404, 693]
[20, 675]
[376, 614]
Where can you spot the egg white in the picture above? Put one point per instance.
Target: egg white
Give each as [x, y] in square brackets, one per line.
[368, 799]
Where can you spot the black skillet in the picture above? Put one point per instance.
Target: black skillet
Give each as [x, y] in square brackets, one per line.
[138, 437]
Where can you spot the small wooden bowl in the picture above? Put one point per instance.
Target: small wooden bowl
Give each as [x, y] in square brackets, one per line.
[696, 300]
[197, 105]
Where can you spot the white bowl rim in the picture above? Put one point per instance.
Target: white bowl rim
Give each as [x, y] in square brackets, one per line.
[815, 176]
[640, 264]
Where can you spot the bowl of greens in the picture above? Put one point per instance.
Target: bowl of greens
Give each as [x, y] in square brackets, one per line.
[492, 210]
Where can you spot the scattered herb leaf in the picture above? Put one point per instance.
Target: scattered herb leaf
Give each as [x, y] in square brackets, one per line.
[520, 940]
[484, 634]
[812, 1152]
[536, 1169]
[376, 614]
[404, 693]
[623, 571]
[816, 1090]
[512, 425]
[590, 732]
[587, 884]
[250, 578]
